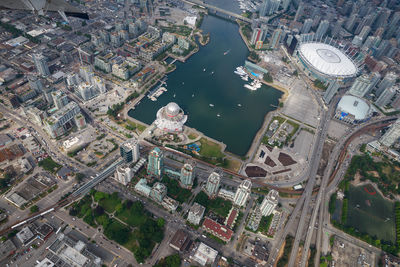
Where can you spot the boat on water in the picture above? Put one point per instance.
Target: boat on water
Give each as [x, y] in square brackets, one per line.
[254, 85]
[192, 95]
[211, 105]
[245, 78]
[226, 52]
[174, 95]
[157, 92]
[239, 105]
[218, 115]
[212, 73]
[204, 69]
[240, 71]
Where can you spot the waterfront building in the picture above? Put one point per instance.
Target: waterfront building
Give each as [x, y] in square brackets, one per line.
[388, 81]
[360, 86]
[129, 150]
[183, 43]
[59, 99]
[196, 213]
[212, 184]
[392, 135]
[187, 175]
[40, 62]
[322, 29]
[275, 39]
[258, 35]
[123, 174]
[168, 37]
[155, 163]
[158, 192]
[170, 118]
[62, 120]
[352, 109]
[385, 98]
[242, 193]
[331, 91]
[269, 203]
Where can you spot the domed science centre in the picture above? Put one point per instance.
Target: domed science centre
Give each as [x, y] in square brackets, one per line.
[170, 118]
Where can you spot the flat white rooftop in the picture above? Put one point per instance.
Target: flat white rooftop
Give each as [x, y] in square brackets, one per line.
[327, 59]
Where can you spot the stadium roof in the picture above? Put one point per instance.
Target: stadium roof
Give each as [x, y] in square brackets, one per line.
[327, 59]
[355, 106]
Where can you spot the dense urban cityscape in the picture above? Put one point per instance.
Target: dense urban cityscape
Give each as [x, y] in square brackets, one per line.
[174, 133]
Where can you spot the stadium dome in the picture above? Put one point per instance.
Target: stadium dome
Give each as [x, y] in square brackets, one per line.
[326, 60]
[353, 109]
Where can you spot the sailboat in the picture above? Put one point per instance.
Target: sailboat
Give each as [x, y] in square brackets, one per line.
[226, 52]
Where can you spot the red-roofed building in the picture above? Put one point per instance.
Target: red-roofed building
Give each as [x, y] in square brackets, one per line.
[220, 231]
[231, 219]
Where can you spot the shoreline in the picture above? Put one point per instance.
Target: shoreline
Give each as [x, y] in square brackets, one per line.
[260, 131]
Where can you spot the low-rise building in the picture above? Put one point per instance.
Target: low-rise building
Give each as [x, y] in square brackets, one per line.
[204, 255]
[142, 188]
[170, 204]
[181, 241]
[231, 218]
[218, 230]
[196, 213]
[158, 192]
[25, 236]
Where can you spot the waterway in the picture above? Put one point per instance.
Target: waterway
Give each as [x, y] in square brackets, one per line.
[194, 89]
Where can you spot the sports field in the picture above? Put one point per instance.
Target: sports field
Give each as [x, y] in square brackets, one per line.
[369, 212]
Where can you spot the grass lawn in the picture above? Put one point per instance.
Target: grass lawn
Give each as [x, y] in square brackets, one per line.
[110, 202]
[192, 136]
[265, 223]
[134, 215]
[370, 213]
[50, 165]
[233, 165]
[210, 149]
[117, 231]
[220, 206]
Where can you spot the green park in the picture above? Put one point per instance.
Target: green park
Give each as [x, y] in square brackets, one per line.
[127, 223]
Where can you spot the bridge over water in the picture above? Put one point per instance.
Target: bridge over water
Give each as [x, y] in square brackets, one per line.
[217, 10]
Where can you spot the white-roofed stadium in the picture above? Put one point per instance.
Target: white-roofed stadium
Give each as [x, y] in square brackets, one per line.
[326, 62]
[352, 109]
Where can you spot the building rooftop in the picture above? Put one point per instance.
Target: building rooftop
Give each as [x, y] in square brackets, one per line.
[356, 106]
[220, 230]
[180, 241]
[327, 59]
[205, 254]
